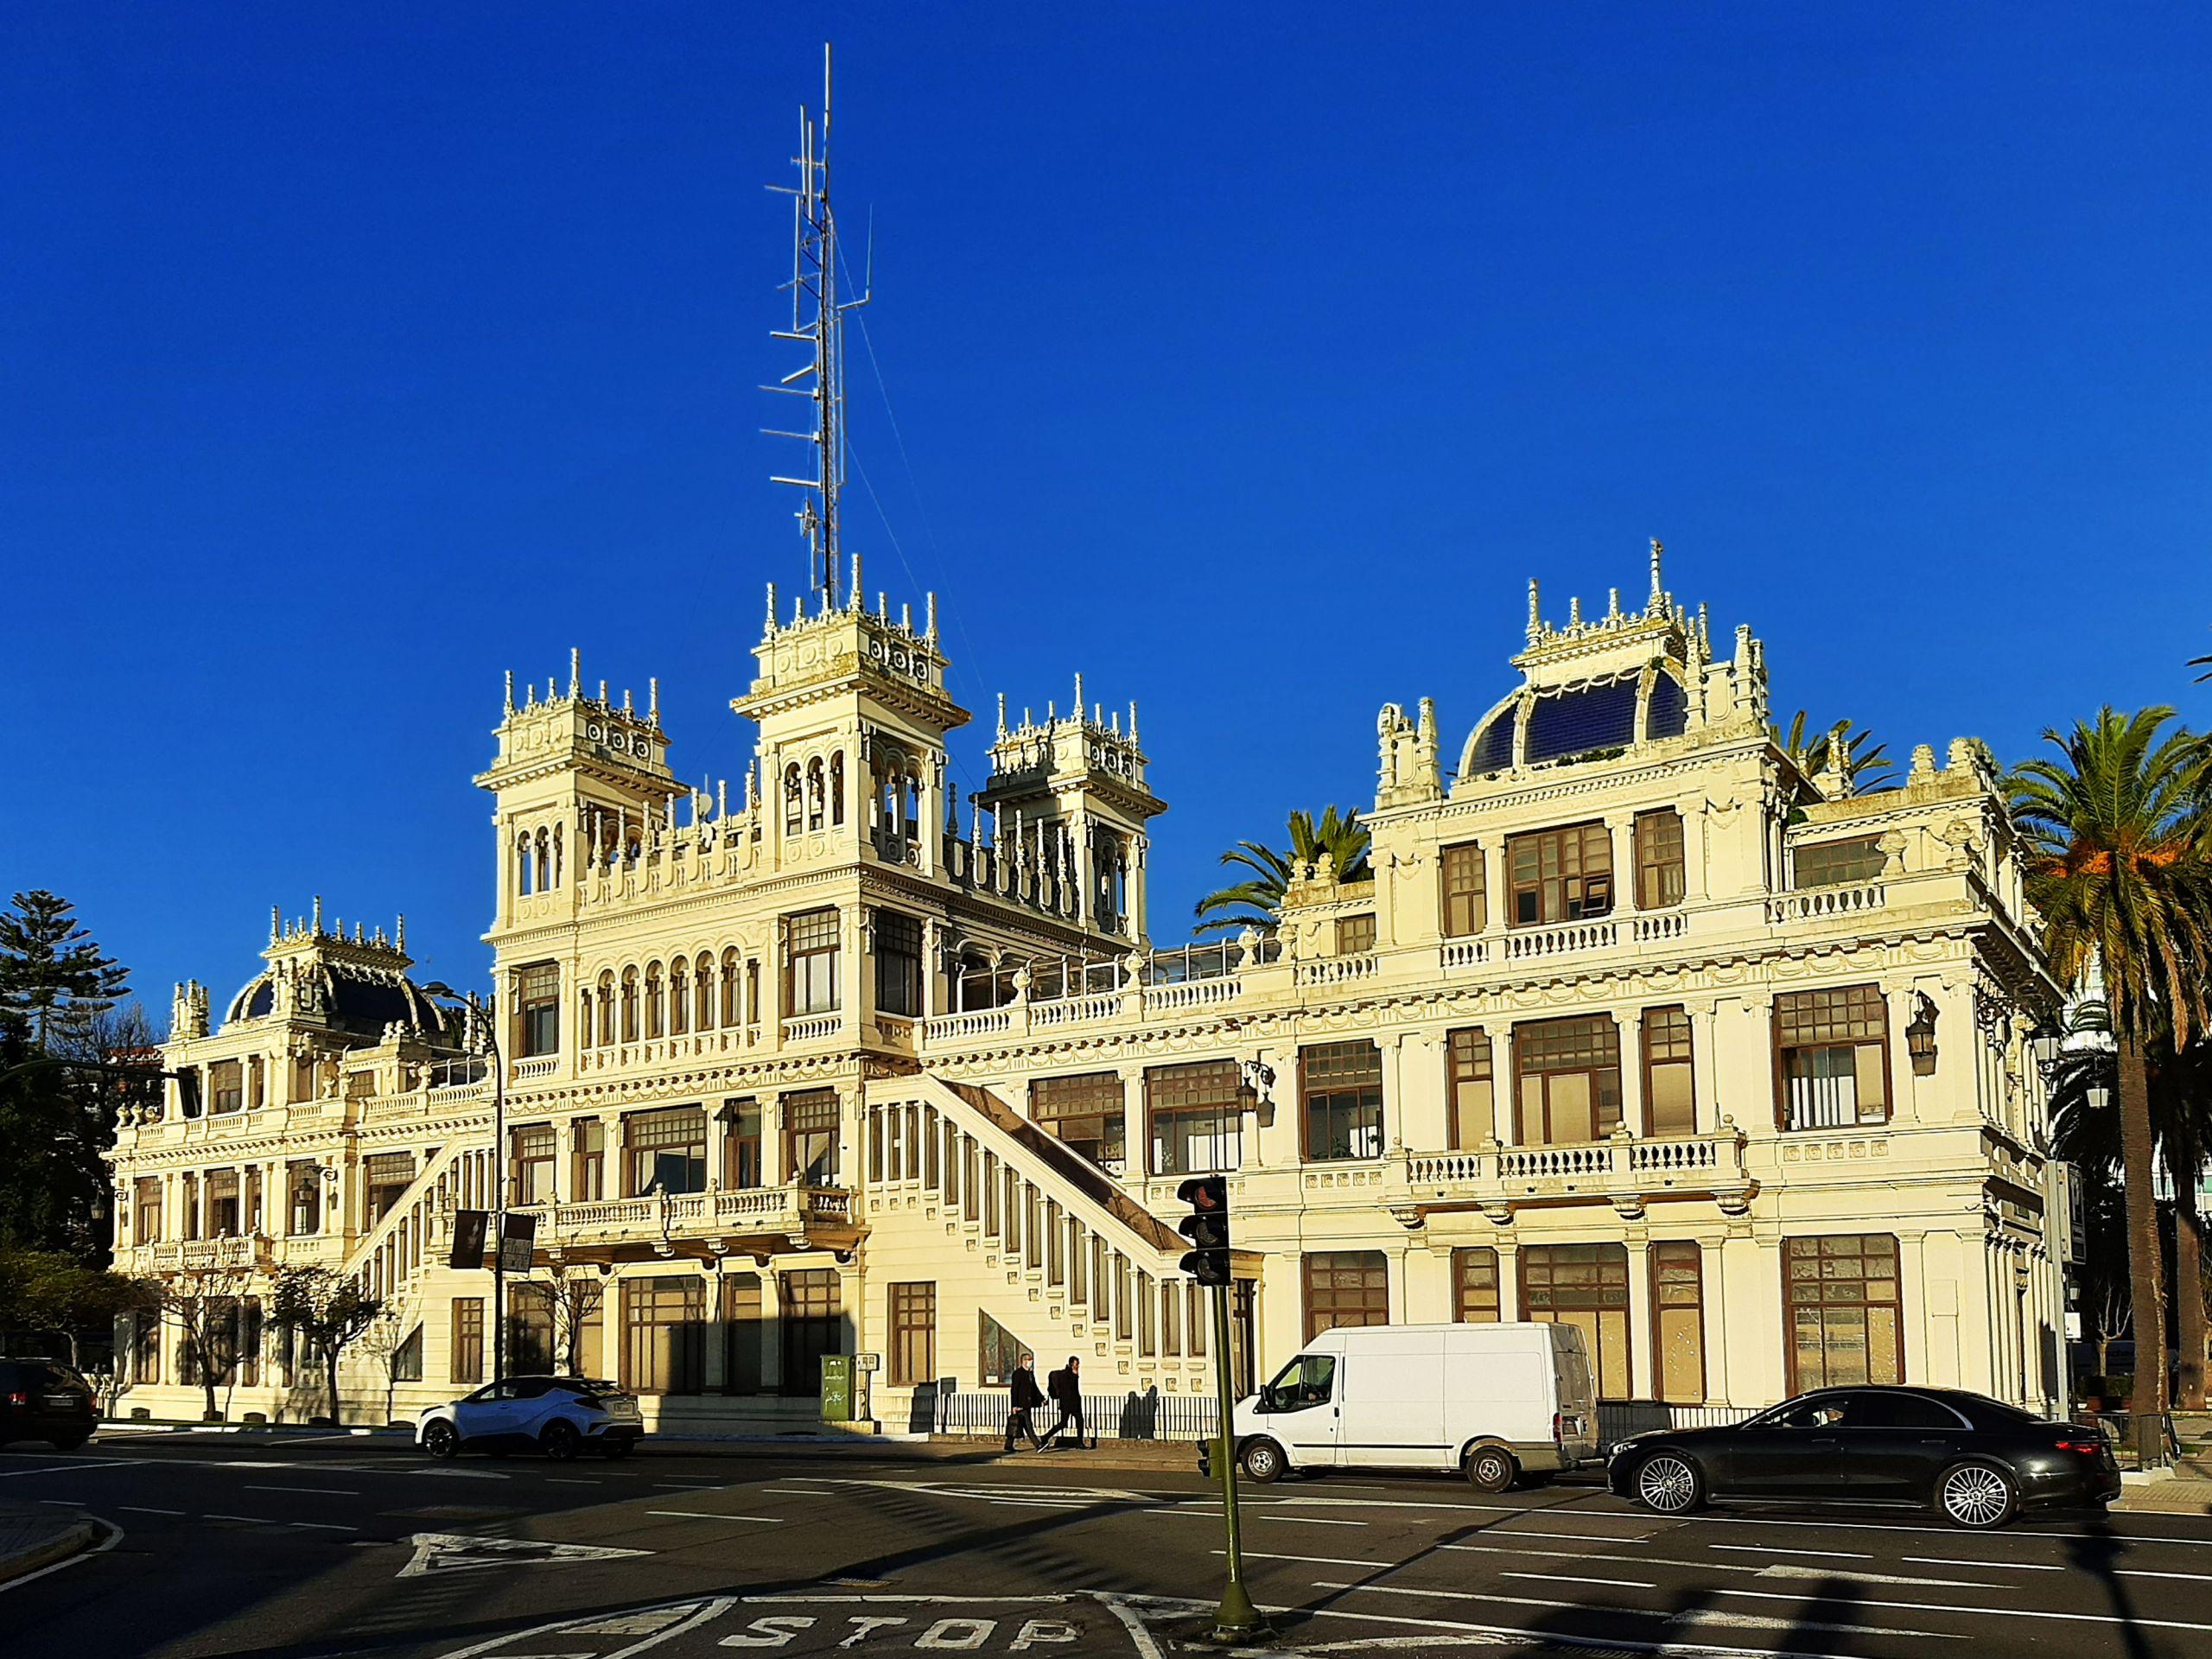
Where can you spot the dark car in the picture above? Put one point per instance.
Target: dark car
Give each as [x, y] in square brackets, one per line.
[1977, 1460]
[45, 1400]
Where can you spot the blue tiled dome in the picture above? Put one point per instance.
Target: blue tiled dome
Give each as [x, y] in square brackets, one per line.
[1600, 716]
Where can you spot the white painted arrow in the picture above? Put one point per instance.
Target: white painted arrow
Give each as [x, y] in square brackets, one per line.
[445, 1552]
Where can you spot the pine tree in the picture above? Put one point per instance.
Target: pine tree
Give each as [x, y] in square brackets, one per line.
[52, 977]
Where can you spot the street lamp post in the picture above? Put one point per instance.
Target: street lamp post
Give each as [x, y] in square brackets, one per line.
[481, 1022]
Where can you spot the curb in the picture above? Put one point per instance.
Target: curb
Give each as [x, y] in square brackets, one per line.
[73, 1539]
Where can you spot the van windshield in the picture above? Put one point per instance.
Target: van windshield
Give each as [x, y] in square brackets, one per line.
[1307, 1381]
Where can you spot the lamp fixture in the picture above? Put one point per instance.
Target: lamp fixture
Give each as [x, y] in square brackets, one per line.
[1919, 1038]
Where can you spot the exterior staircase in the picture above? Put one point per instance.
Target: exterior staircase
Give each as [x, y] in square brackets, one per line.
[964, 1192]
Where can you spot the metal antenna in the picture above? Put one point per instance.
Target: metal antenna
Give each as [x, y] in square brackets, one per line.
[818, 320]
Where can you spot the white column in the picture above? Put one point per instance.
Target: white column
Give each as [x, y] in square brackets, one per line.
[1641, 1333]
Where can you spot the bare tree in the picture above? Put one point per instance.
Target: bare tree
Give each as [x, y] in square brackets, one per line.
[571, 1298]
[328, 1310]
[202, 1305]
[389, 1342]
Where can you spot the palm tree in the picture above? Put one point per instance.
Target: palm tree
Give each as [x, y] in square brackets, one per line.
[1256, 902]
[1810, 755]
[2118, 866]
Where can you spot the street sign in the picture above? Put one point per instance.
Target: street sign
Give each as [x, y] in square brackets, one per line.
[868, 1361]
[468, 1229]
[518, 1240]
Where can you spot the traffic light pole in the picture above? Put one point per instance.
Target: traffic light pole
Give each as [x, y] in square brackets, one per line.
[1237, 1615]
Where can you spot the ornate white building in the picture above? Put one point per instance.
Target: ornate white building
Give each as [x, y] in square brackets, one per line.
[1632, 1025]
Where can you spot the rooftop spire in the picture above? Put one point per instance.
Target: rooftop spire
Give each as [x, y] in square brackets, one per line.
[817, 321]
[576, 671]
[1657, 592]
[1536, 616]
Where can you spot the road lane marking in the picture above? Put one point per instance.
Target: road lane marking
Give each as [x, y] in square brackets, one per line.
[1300, 1520]
[1852, 1575]
[1562, 1578]
[325, 1491]
[257, 1519]
[322, 1526]
[1765, 1549]
[570, 1480]
[795, 1491]
[1654, 1613]
[2135, 1621]
[708, 1515]
[142, 1509]
[65, 1503]
[64, 1468]
[114, 1537]
[1579, 1537]
[1507, 1635]
[2144, 1572]
[2000, 1567]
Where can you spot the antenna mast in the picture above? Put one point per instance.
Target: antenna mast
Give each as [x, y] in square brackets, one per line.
[817, 321]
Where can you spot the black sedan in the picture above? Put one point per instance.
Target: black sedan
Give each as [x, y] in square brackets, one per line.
[45, 1400]
[1977, 1460]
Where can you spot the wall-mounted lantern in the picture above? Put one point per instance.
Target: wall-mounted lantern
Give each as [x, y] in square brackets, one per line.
[1920, 1039]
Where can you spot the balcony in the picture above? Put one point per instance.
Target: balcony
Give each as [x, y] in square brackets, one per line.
[1625, 1171]
[241, 1254]
[746, 1219]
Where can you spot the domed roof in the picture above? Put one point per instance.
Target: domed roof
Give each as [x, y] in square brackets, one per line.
[359, 1000]
[1549, 725]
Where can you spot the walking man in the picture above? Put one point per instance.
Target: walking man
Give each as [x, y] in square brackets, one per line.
[1065, 1387]
[1023, 1397]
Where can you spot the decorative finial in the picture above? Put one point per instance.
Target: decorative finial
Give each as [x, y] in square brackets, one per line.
[1133, 720]
[511, 691]
[854, 600]
[576, 671]
[906, 618]
[1535, 617]
[1002, 714]
[626, 700]
[931, 599]
[318, 912]
[1078, 694]
[602, 691]
[399, 933]
[1612, 604]
[276, 923]
[1657, 592]
[771, 607]
[799, 609]
[653, 696]
[1574, 612]
[529, 695]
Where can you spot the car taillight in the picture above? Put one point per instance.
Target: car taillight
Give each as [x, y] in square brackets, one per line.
[17, 1397]
[1558, 1428]
[587, 1400]
[2087, 1448]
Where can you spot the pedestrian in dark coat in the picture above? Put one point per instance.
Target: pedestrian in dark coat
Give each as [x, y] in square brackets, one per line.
[1024, 1396]
[1065, 1387]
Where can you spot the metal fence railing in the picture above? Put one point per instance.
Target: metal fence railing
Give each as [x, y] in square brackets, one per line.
[1150, 1415]
[1618, 1419]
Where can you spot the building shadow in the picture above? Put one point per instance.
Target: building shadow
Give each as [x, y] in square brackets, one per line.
[2096, 1551]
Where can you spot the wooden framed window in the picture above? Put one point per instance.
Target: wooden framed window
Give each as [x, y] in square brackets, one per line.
[531, 1155]
[538, 1009]
[629, 1002]
[811, 1303]
[1194, 1117]
[679, 998]
[466, 1356]
[997, 1353]
[813, 977]
[1346, 1287]
[656, 1003]
[741, 1311]
[385, 1176]
[913, 1334]
[665, 1149]
[1569, 1081]
[1833, 863]
[703, 1000]
[1670, 1091]
[589, 1144]
[741, 1143]
[1474, 1284]
[1086, 1113]
[146, 1196]
[1355, 935]
[1561, 876]
[226, 1212]
[1840, 1297]
[1341, 1085]
[1678, 1320]
[1200, 1321]
[1466, 898]
[1148, 1328]
[1471, 1105]
[898, 964]
[738, 1009]
[664, 1334]
[226, 1086]
[1659, 871]
[811, 1138]
[1585, 1285]
[146, 1348]
[1832, 1068]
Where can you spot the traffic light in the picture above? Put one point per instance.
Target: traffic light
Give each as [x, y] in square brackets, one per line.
[1206, 1227]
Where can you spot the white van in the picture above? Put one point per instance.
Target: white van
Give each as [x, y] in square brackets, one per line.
[1496, 1402]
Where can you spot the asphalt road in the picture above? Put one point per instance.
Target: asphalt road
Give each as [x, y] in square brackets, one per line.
[285, 1549]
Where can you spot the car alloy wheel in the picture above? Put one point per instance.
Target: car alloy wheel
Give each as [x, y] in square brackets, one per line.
[1666, 1484]
[1262, 1461]
[1975, 1495]
[561, 1441]
[441, 1439]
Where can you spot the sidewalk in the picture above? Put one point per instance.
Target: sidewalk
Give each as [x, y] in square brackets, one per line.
[32, 1536]
[2188, 1492]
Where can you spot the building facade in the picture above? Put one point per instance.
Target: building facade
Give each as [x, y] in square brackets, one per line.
[1630, 1024]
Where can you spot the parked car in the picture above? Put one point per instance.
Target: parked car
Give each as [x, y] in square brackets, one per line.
[1976, 1460]
[45, 1400]
[560, 1416]
[1499, 1403]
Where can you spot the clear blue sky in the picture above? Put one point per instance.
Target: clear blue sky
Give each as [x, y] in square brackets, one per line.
[1249, 359]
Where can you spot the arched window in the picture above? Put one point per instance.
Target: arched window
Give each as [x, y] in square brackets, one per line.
[679, 997]
[814, 803]
[559, 876]
[544, 860]
[656, 1003]
[629, 1005]
[837, 787]
[605, 1007]
[522, 866]
[794, 799]
[732, 1014]
[704, 993]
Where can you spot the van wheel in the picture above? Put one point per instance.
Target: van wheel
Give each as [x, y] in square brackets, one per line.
[1491, 1469]
[1262, 1460]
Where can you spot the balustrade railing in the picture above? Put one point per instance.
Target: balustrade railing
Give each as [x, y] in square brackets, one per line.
[1816, 904]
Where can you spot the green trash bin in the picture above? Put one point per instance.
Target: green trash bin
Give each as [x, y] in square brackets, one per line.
[837, 1387]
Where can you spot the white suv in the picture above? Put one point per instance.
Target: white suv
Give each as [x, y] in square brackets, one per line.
[560, 1415]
